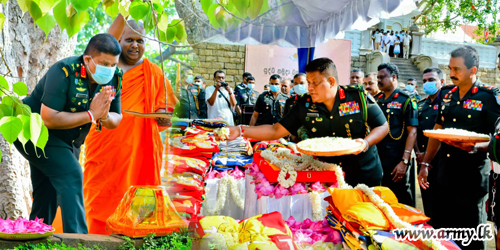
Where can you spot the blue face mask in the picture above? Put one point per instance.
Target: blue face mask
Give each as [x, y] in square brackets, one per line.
[251, 85]
[410, 88]
[300, 89]
[275, 88]
[197, 84]
[430, 88]
[102, 74]
[189, 79]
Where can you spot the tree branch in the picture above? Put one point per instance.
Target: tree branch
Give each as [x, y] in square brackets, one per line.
[444, 21]
[426, 10]
[179, 61]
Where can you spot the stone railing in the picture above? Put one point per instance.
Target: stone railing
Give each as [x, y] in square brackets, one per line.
[440, 50]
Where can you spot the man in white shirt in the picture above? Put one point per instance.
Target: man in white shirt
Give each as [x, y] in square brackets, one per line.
[406, 46]
[220, 99]
[391, 43]
[387, 41]
[378, 40]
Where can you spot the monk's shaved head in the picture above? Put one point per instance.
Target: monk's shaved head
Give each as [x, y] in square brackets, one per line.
[132, 43]
[136, 26]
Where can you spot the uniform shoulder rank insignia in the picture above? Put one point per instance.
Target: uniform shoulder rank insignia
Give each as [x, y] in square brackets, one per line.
[379, 95]
[396, 95]
[65, 71]
[83, 72]
[341, 93]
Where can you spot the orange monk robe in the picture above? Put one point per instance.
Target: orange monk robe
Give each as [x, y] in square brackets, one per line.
[130, 154]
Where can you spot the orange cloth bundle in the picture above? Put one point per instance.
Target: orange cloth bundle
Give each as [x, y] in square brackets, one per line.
[356, 208]
[145, 210]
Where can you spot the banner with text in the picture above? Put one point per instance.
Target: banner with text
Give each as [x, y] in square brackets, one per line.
[262, 61]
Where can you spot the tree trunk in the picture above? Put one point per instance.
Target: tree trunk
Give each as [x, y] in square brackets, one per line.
[28, 56]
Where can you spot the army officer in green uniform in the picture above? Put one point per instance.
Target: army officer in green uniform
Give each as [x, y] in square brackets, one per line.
[75, 92]
[270, 105]
[463, 171]
[335, 111]
[395, 150]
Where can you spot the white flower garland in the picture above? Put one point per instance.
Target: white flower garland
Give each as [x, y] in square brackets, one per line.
[222, 194]
[389, 212]
[290, 163]
[223, 133]
[316, 206]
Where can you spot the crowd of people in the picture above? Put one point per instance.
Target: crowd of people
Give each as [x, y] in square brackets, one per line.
[396, 44]
[389, 121]
[81, 98]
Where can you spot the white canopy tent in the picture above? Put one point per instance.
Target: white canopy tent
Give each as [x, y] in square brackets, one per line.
[307, 23]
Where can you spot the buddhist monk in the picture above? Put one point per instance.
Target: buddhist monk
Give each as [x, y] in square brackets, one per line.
[132, 153]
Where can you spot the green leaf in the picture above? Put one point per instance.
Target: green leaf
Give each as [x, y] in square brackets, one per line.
[241, 5]
[163, 23]
[60, 14]
[43, 139]
[24, 5]
[112, 10]
[77, 22]
[25, 135]
[36, 125]
[171, 33]
[2, 19]
[8, 100]
[109, 3]
[10, 127]
[206, 5]
[46, 6]
[180, 35]
[95, 3]
[6, 110]
[81, 5]
[254, 9]
[46, 23]
[211, 16]
[138, 9]
[4, 84]
[123, 7]
[35, 11]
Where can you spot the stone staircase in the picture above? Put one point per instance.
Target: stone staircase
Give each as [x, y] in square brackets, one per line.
[408, 70]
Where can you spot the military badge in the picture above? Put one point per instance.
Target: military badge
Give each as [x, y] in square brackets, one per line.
[81, 89]
[473, 105]
[436, 107]
[73, 109]
[349, 108]
[394, 105]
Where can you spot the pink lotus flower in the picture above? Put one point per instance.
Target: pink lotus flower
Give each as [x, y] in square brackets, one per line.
[22, 225]
[212, 174]
[280, 191]
[237, 173]
[264, 188]
[318, 187]
[298, 188]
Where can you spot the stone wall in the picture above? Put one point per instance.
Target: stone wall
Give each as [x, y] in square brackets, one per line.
[213, 57]
[487, 76]
[359, 63]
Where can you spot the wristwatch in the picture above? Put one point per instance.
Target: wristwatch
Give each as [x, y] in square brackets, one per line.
[405, 161]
